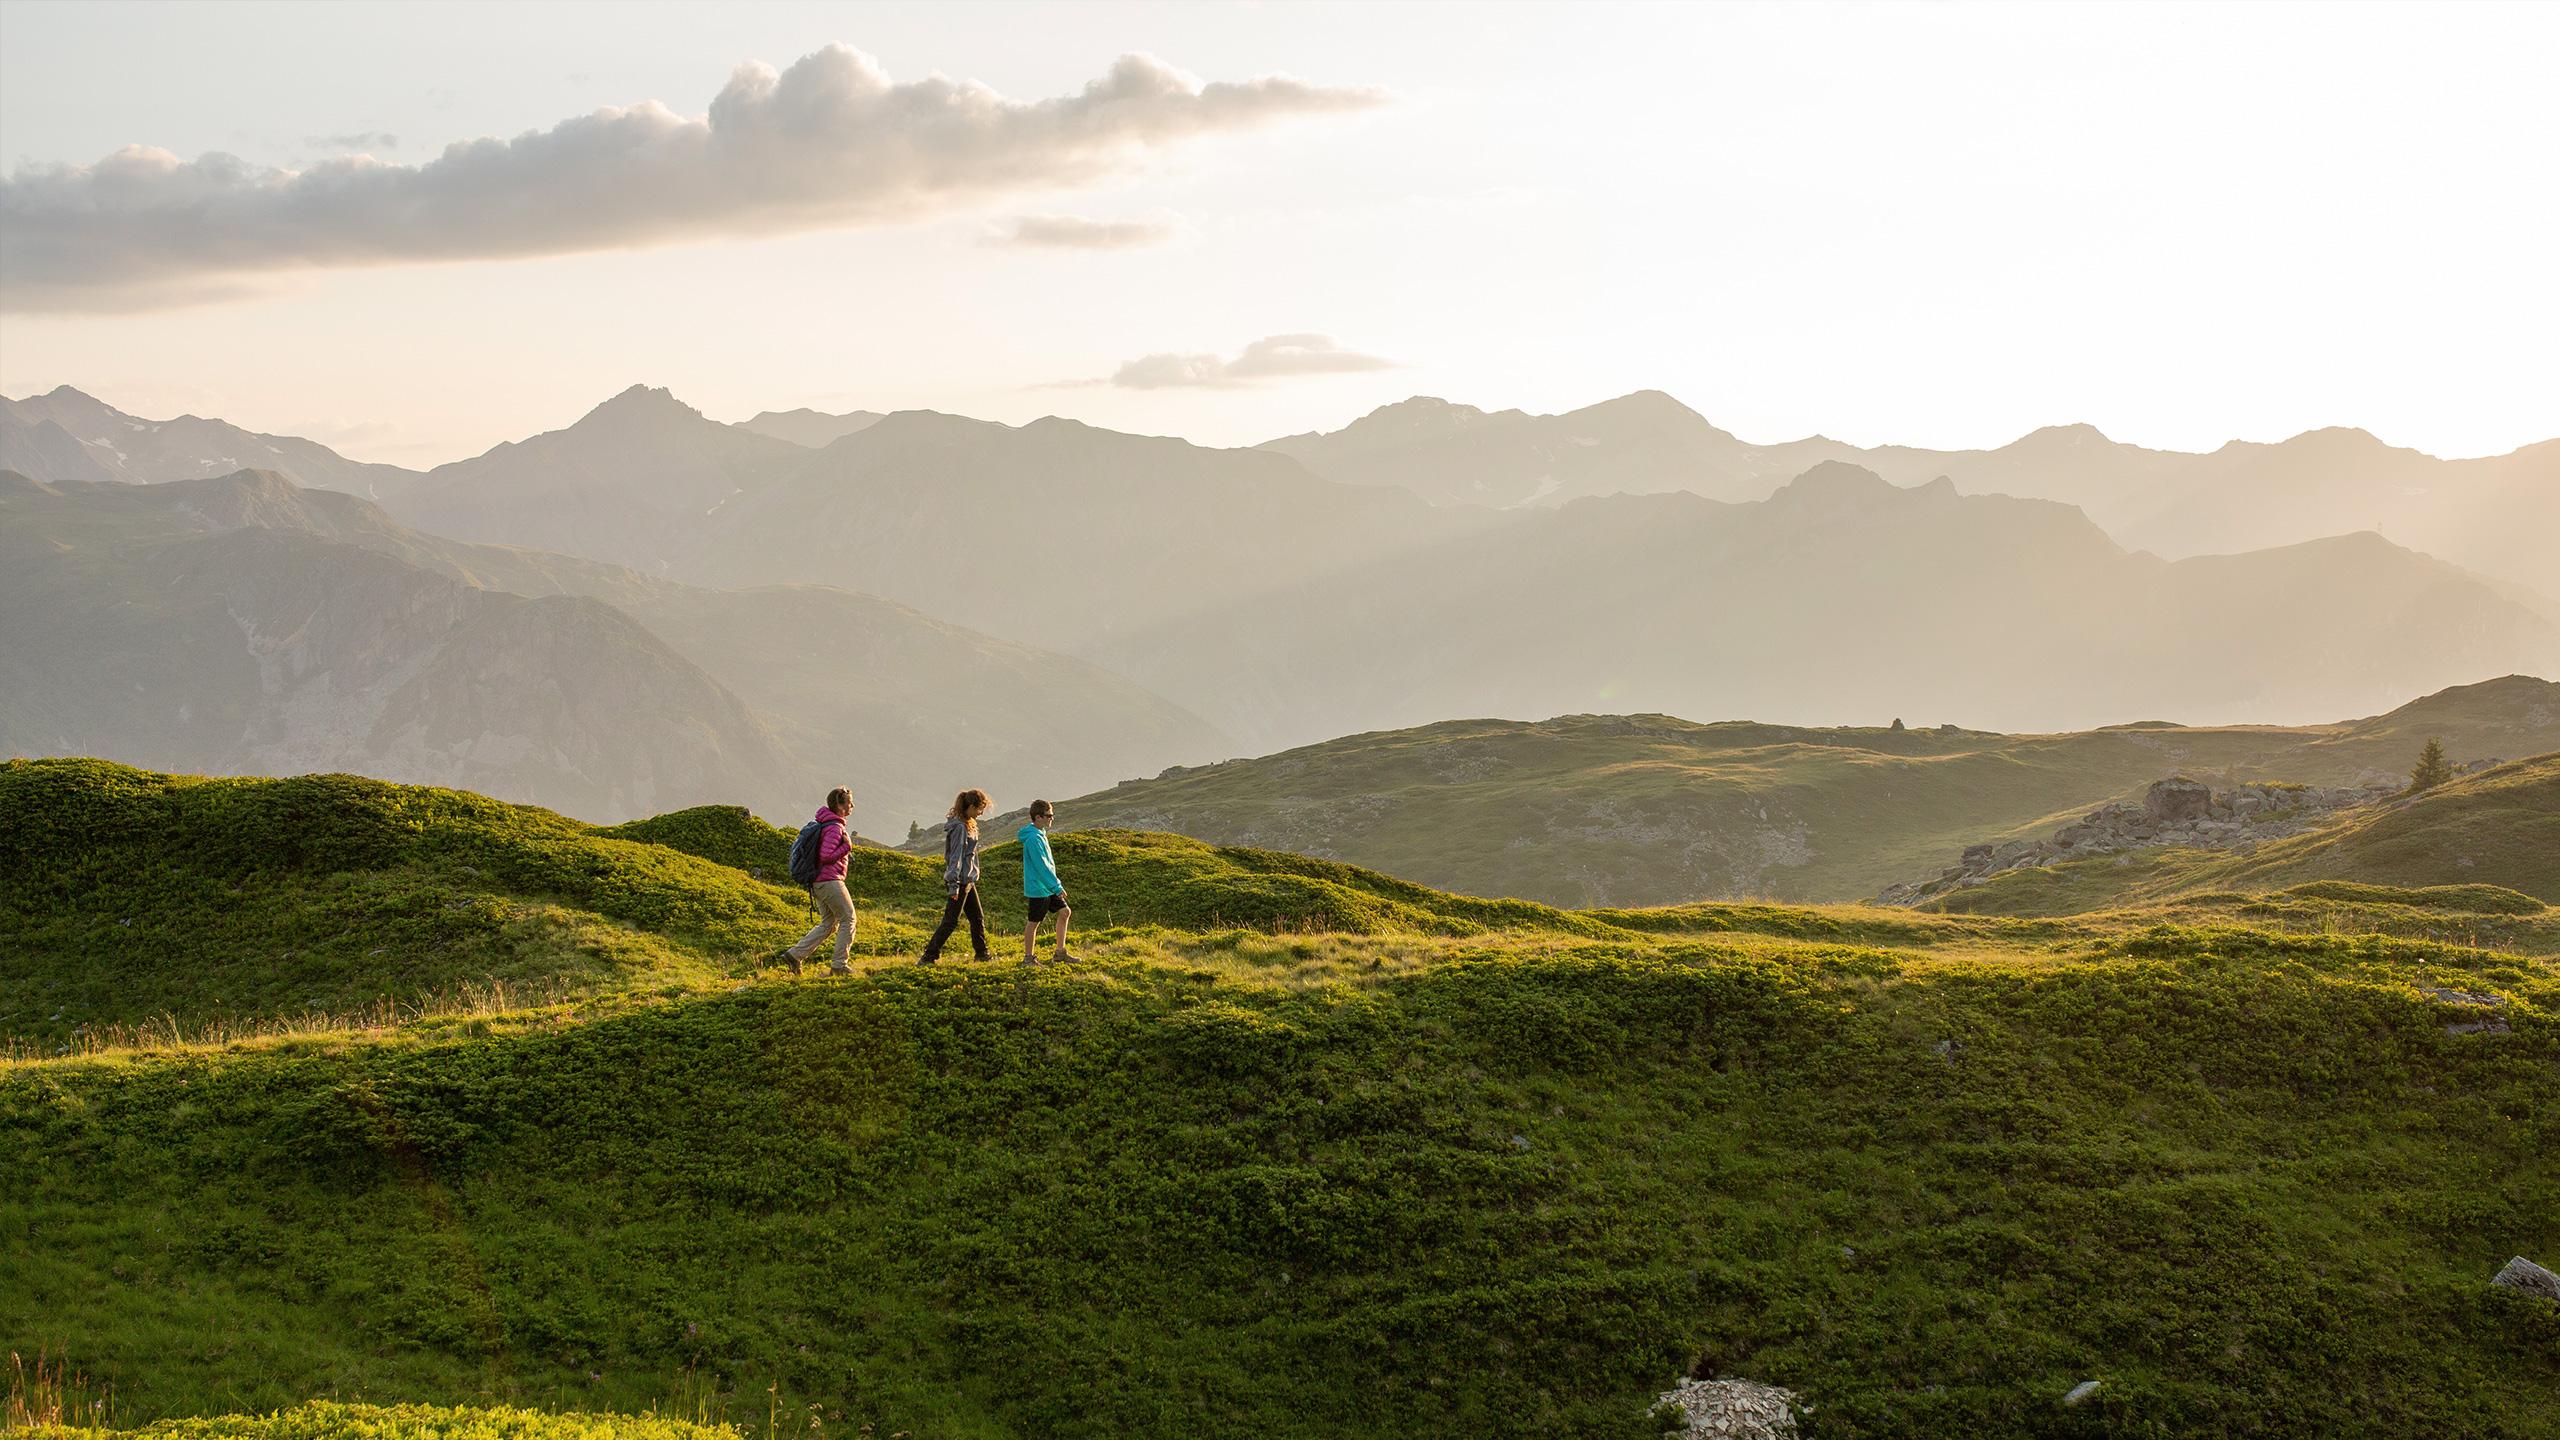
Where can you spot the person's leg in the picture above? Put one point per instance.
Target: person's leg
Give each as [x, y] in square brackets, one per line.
[838, 902]
[942, 932]
[1063, 912]
[807, 945]
[977, 922]
[1030, 937]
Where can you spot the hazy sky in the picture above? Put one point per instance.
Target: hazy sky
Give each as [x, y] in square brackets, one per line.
[1937, 225]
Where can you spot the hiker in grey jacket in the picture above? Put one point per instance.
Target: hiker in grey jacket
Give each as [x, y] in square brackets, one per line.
[960, 877]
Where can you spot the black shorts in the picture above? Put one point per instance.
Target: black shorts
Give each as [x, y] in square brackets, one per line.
[1043, 906]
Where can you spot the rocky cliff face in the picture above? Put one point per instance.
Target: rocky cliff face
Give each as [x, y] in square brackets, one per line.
[2176, 811]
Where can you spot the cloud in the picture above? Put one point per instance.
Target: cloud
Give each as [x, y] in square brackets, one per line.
[1075, 232]
[829, 142]
[1274, 358]
[360, 140]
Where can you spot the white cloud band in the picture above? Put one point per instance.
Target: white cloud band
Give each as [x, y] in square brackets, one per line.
[830, 141]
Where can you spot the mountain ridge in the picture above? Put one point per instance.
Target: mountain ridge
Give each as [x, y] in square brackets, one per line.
[861, 708]
[2241, 494]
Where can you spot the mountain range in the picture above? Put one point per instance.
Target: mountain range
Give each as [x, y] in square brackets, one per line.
[1262, 598]
[66, 435]
[242, 624]
[2486, 513]
[1841, 595]
[2493, 513]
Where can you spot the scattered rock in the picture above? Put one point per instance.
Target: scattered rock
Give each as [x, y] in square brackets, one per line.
[2522, 1274]
[2487, 1025]
[2460, 997]
[2174, 811]
[2178, 798]
[1730, 1410]
[2080, 1392]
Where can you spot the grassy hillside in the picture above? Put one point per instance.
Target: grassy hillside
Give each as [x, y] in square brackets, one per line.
[2488, 842]
[1301, 1151]
[1647, 809]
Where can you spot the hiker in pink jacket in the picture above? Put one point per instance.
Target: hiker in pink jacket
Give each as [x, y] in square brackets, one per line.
[835, 902]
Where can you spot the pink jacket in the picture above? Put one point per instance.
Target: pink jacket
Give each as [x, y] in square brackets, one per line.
[832, 844]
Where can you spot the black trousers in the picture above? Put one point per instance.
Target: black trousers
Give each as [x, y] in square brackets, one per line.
[964, 903]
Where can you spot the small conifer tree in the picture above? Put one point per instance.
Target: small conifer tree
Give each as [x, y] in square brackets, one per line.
[1897, 722]
[2433, 769]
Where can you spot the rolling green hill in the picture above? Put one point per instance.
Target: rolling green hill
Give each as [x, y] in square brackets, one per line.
[1647, 809]
[1301, 1150]
[2490, 834]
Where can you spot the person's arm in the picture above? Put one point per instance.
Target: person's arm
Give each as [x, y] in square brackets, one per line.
[952, 835]
[834, 842]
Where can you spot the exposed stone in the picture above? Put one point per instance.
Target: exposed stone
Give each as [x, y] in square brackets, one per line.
[2080, 1392]
[2522, 1274]
[2178, 798]
[2462, 997]
[1730, 1410]
[2175, 811]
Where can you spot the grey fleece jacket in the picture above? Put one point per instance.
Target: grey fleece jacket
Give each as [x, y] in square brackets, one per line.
[959, 854]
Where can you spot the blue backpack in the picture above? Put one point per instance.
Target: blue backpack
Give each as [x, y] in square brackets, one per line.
[804, 853]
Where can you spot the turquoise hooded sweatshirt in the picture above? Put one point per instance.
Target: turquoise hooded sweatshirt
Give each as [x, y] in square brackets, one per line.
[1039, 868]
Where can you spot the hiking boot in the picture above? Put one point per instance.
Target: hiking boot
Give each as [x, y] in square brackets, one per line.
[839, 968]
[791, 960]
[930, 960]
[983, 958]
[1066, 957]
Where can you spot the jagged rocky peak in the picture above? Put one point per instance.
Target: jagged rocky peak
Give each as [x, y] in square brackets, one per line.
[641, 405]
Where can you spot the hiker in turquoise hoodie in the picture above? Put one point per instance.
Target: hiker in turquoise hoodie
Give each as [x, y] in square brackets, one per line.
[1042, 891]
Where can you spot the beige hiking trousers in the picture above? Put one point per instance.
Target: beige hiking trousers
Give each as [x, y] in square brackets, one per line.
[835, 912]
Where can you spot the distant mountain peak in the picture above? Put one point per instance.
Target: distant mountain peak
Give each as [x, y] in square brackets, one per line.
[1643, 403]
[643, 400]
[1420, 414]
[1837, 484]
[813, 429]
[641, 407]
[2081, 433]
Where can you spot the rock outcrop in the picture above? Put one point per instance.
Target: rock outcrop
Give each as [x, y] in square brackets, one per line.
[2175, 811]
[1729, 1410]
[2522, 1274]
